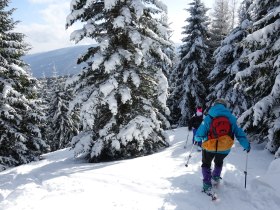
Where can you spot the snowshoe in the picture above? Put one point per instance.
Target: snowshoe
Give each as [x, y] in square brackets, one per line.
[207, 189]
[210, 193]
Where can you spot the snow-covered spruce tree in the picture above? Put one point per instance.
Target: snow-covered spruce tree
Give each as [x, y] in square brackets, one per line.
[169, 50]
[20, 137]
[220, 23]
[43, 93]
[46, 89]
[121, 93]
[219, 28]
[221, 78]
[166, 67]
[172, 100]
[63, 125]
[191, 71]
[262, 77]
[233, 8]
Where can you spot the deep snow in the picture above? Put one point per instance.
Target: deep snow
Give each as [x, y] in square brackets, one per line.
[155, 182]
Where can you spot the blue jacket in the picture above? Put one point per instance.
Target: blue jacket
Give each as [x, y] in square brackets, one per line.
[221, 110]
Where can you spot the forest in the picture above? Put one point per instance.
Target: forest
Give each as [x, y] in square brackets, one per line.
[136, 84]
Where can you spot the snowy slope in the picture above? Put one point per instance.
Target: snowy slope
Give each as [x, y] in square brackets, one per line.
[64, 60]
[156, 182]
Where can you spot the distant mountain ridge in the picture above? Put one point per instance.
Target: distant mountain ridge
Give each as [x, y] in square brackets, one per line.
[63, 60]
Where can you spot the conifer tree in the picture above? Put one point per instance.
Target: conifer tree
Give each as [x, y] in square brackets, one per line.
[46, 89]
[20, 116]
[63, 125]
[219, 28]
[228, 64]
[190, 74]
[220, 24]
[233, 5]
[261, 78]
[122, 94]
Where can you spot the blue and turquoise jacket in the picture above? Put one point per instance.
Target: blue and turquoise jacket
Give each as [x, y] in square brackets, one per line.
[220, 110]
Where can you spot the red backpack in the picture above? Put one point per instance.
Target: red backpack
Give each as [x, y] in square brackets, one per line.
[220, 126]
[220, 136]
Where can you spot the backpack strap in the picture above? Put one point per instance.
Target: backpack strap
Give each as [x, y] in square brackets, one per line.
[214, 131]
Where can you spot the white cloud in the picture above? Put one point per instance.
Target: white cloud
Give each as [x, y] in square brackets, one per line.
[43, 1]
[51, 34]
[56, 13]
[44, 37]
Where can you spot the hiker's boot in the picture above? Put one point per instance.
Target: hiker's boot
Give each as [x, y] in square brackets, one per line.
[216, 175]
[216, 180]
[207, 188]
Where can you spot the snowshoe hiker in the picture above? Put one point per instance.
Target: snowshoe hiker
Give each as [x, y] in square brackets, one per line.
[194, 123]
[216, 133]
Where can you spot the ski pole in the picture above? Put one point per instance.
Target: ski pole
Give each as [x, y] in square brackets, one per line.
[245, 172]
[187, 140]
[190, 155]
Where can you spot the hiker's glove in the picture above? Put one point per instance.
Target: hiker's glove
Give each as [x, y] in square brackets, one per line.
[248, 149]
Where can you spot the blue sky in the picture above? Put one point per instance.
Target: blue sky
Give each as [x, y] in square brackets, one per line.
[43, 21]
[27, 11]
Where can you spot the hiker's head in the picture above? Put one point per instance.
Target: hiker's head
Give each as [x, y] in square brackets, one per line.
[221, 101]
[199, 111]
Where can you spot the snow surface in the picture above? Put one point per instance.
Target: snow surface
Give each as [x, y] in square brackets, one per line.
[155, 182]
